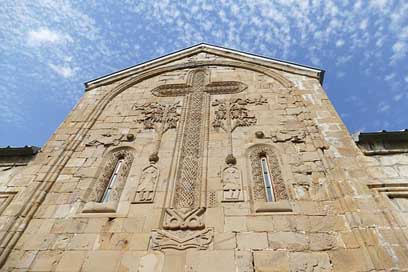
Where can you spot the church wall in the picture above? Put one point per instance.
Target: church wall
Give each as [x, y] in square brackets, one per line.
[326, 220]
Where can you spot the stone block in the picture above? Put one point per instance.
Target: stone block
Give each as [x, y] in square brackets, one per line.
[271, 261]
[235, 223]
[139, 241]
[71, 261]
[151, 262]
[260, 223]
[214, 218]
[225, 240]
[102, 261]
[130, 261]
[350, 260]
[83, 242]
[300, 261]
[244, 261]
[174, 261]
[291, 241]
[216, 260]
[46, 261]
[322, 241]
[252, 240]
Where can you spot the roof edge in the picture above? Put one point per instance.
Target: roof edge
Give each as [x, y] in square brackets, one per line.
[320, 72]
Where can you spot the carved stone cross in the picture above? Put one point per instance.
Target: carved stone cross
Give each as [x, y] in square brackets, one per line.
[197, 92]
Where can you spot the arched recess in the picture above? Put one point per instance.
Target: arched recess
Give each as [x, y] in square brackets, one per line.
[280, 201]
[106, 191]
[110, 95]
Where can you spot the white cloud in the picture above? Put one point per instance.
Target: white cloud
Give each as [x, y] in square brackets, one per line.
[399, 50]
[46, 36]
[64, 71]
[397, 97]
[383, 107]
[389, 77]
[339, 43]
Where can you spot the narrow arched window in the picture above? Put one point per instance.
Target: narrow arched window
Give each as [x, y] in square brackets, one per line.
[112, 181]
[267, 179]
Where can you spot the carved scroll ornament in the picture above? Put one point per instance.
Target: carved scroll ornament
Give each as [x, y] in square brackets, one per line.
[184, 220]
[181, 240]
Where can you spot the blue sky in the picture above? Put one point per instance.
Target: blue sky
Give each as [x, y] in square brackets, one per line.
[48, 49]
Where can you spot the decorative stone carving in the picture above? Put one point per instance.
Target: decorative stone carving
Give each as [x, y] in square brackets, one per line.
[294, 136]
[230, 114]
[197, 92]
[109, 140]
[212, 199]
[146, 187]
[156, 115]
[104, 178]
[181, 240]
[232, 184]
[258, 187]
[159, 117]
[184, 220]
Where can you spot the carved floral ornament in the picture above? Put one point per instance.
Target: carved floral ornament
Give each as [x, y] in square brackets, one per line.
[108, 168]
[258, 187]
[235, 111]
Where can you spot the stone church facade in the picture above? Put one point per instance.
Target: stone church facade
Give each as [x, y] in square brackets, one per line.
[207, 159]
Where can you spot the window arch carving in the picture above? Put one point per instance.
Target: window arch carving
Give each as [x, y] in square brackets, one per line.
[263, 158]
[111, 181]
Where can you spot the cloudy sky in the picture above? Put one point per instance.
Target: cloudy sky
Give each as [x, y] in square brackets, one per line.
[48, 49]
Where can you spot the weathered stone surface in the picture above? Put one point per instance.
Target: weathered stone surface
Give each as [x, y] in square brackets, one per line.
[189, 146]
[271, 261]
[291, 241]
[252, 240]
[102, 261]
[310, 262]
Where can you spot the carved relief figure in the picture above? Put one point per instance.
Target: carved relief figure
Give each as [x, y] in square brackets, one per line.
[231, 183]
[147, 185]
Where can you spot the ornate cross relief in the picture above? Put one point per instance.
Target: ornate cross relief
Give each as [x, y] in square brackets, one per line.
[183, 224]
[230, 114]
[161, 118]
